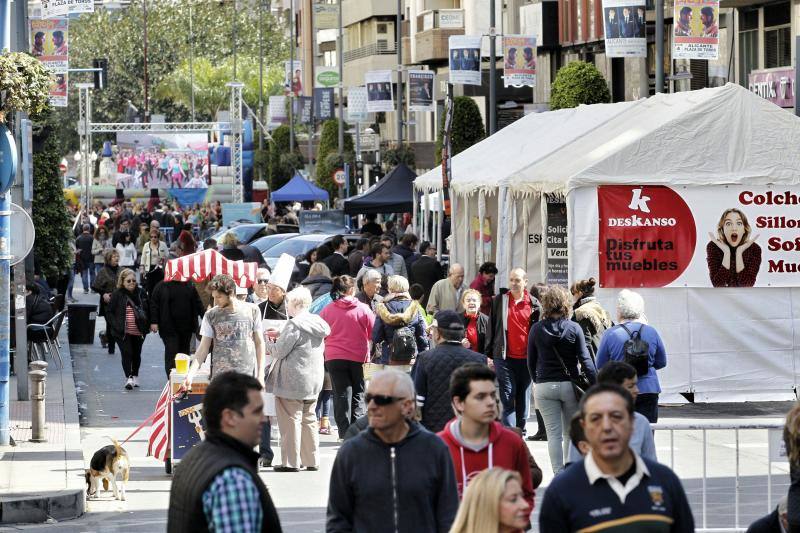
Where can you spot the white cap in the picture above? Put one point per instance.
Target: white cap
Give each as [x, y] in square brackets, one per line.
[282, 272]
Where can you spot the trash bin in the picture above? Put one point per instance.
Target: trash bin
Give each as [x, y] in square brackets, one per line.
[81, 319]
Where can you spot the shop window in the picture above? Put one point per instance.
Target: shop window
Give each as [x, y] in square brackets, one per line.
[777, 47]
[748, 44]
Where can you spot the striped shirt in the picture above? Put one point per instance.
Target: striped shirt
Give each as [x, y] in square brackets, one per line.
[130, 321]
[232, 503]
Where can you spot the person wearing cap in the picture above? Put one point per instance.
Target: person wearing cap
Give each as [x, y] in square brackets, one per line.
[434, 367]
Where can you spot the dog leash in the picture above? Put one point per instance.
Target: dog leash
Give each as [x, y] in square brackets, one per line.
[182, 394]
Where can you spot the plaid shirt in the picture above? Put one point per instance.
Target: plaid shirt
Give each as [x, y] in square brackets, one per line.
[232, 503]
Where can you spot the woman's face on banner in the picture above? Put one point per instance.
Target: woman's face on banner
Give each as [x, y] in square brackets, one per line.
[733, 228]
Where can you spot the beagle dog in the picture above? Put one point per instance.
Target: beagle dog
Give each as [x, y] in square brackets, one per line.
[107, 463]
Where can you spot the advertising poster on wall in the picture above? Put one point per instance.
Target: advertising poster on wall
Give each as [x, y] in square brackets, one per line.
[49, 43]
[720, 236]
[326, 76]
[277, 111]
[465, 59]
[323, 104]
[519, 64]
[420, 90]
[696, 29]
[625, 28]
[58, 90]
[293, 78]
[325, 16]
[379, 91]
[555, 233]
[161, 161]
[357, 104]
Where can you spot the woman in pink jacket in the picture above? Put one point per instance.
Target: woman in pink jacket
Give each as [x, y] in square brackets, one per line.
[346, 350]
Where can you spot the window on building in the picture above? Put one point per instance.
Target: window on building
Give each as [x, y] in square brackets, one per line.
[748, 43]
[777, 35]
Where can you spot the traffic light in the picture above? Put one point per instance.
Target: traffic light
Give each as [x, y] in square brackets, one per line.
[360, 172]
[101, 76]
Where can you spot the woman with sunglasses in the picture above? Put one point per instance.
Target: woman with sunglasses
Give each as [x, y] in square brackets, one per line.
[128, 322]
[154, 256]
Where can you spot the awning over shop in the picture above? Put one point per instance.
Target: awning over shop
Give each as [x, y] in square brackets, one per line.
[207, 264]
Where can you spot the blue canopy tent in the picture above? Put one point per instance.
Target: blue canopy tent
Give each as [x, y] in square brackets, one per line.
[299, 189]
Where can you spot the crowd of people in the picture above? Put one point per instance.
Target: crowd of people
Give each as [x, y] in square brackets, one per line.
[154, 168]
[427, 381]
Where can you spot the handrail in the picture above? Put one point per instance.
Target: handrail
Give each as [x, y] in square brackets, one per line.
[774, 423]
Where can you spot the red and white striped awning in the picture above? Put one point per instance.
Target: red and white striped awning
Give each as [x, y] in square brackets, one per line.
[207, 264]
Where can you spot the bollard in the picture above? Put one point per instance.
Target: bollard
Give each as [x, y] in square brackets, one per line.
[38, 365]
[38, 381]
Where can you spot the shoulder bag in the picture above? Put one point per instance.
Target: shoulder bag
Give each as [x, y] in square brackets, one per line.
[580, 382]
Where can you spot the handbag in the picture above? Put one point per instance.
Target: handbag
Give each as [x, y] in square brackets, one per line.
[579, 383]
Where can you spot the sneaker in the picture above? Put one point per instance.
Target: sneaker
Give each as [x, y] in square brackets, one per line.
[136, 381]
[129, 384]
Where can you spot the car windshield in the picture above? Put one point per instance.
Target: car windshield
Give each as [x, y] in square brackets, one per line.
[265, 243]
[294, 247]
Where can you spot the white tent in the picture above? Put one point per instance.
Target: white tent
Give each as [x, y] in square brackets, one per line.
[477, 171]
[724, 344]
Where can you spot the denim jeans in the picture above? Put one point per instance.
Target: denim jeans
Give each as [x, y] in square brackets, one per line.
[88, 275]
[71, 282]
[265, 448]
[514, 383]
[347, 378]
[647, 405]
[324, 403]
[556, 401]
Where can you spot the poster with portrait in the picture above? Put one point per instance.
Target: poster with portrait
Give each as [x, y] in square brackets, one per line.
[625, 28]
[277, 111]
[379, 91]
[519, 63]
[696, 29]
[465, 59]
[59, 89]
[161, 161]
[293, 78]
[323, 104]
[420, 90]
[357, 104]
[49, 43]
[714, 236]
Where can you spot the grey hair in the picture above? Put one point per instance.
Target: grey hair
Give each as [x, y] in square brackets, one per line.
[397, 284]
[299, 297]
[630, 305]
[402, 385]
[371, 276]
[262, 271]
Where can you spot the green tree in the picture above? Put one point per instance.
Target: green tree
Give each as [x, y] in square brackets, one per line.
[51, 220]
[117, 36]
[25, 85]
[578, 83]
[400, 154]
[467, 128]
[210, 79]
[281, 164]
[328, 159]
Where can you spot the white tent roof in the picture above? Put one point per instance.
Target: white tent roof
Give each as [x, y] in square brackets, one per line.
[518, 145]
[724, 135]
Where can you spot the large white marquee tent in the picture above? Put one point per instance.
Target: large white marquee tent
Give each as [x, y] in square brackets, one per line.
[724, 344]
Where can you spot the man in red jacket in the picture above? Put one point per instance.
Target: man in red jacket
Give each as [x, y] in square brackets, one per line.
[476, 440]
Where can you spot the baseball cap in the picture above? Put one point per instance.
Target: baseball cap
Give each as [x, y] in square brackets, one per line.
[447, 319]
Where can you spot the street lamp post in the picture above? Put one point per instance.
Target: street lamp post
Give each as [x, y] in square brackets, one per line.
[146, 96]
[492, 70]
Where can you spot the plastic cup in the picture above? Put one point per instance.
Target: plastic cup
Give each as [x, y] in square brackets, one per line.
[182, 363]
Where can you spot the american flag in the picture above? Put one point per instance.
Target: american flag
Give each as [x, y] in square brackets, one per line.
[158, 443]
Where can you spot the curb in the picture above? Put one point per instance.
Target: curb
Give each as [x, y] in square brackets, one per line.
[37, 508]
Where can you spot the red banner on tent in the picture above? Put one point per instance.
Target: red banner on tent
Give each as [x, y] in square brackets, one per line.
[208, 263]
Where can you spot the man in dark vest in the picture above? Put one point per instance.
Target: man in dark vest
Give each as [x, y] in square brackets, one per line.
[216, 486]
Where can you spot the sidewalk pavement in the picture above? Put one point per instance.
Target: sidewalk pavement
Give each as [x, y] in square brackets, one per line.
[43, 481]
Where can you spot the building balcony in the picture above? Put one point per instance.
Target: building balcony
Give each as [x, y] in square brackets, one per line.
[434, 29]
[380, 48]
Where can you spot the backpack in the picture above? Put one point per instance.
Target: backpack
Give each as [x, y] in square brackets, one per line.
[404, 345]
[636, 351]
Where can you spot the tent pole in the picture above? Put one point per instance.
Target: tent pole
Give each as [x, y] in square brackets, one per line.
[414, 208]
[439, 224]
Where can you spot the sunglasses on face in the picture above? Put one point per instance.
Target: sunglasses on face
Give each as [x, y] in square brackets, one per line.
[130, 281]
[381, 399]
[263, 281]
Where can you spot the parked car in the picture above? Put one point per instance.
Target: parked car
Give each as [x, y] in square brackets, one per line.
[245, 233]
[300, 245]
[268, 241]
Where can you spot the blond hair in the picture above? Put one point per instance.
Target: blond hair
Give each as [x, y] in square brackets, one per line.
[397, 284]
[469, 292]
[480, 510]
[124, 273]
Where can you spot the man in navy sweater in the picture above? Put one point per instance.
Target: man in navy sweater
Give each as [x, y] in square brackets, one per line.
[612, 487]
